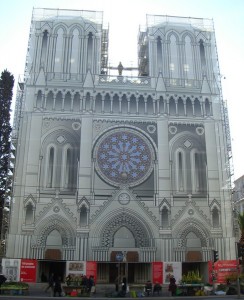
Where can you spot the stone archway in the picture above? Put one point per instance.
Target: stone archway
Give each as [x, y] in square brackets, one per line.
[136, 227]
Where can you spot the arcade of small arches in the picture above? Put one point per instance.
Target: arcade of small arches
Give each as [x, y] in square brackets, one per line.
[126, 103]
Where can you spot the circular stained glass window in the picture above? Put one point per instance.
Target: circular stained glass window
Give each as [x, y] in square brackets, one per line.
[124, 157]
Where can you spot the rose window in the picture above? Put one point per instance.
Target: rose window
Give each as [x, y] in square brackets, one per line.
[124, 157]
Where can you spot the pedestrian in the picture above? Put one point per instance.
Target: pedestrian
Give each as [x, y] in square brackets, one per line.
[57, 287]
[117, 284]
[2, 280]
[50, 283]
[172, 285]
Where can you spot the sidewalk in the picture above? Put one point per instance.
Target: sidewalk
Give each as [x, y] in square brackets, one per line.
[105, 291]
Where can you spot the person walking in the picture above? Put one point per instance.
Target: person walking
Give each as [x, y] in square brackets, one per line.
[57, 287]
[172, 286]
[2, 280]
[50, 283]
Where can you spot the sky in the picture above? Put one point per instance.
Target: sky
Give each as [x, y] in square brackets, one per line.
[124, 18]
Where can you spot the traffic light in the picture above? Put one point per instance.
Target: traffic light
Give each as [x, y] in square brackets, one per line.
[215, 255]
[240, 250]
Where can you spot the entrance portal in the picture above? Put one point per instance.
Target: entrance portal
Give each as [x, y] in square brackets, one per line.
[47, 267]
[113, 272]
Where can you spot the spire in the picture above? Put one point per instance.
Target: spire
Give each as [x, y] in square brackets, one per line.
[160, 86]
[88, 82]
[41, 80]
[205, 86]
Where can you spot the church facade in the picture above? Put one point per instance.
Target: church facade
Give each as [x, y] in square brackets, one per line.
[132, 164]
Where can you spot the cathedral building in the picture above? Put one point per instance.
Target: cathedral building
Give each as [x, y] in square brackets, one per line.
[118, 166]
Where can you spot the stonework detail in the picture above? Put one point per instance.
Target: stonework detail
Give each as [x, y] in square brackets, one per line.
[140, 235]
[124, 157]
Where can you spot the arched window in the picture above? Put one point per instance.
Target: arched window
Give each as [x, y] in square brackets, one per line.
[159, 54]
[196, 169]
[197, 108]
[188, 66]
[74, 52]
[172, 107]
[207, 108]
[67, 168]
[189, 110]
[89, 50]
[174, 63]
[180, 169]
[50, 167]
[59, 52]
[202, 56]
[215, 217]
[83, 216]
[29, 214]
[44, 48]
[60, 161]
[165, 218]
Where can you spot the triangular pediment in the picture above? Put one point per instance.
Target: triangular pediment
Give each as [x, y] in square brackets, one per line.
[56, 207]
[190, 210]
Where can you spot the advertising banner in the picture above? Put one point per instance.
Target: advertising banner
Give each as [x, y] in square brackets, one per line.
[219, 270]
[11, 269]
[76, 268]
[157, 272]
[28, 270]
[172, 269]
[91, 269]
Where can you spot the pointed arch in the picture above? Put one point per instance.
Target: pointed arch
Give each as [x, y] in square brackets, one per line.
[180, 170]
[191, 225]
[215, 213]
[188, 66]
[51, 157]
[59, 223]
[83, 210]
[75, 51]
[59, 50]
[141, 232]
[29, 208]
[173, 40]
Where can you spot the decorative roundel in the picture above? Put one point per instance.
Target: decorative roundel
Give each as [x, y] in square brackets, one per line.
[151, 128]
[56, 209]
[172, 129]
[124, 157]
[200, 130]
[124, 198]
[76, 125]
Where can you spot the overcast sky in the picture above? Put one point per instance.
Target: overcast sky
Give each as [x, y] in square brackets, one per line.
[124, 18]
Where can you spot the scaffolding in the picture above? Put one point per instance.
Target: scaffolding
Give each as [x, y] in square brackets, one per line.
[202, 24]
[104, 51]
[41, 14]
[142, 53]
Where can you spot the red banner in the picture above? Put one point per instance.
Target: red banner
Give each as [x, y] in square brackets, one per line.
[219, 270]
[157, 272]
[28, 270]
[91, 269]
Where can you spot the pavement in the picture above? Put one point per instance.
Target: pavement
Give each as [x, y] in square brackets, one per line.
[37, 290]
[106, 291]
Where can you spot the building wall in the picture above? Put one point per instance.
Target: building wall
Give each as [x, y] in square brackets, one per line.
[115, 163]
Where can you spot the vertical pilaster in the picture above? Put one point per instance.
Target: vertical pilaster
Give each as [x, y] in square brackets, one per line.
[164, 180]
